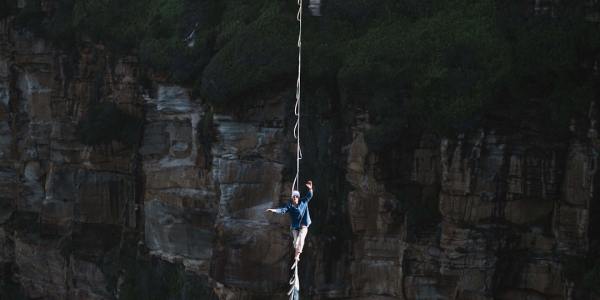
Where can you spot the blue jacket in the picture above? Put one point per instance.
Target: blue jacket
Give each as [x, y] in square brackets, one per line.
[299, 215]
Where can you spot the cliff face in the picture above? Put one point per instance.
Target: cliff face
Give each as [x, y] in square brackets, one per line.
[179, 212]
[515, 212]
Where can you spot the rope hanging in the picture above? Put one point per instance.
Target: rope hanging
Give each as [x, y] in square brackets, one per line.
[295, 184]
[294, 291]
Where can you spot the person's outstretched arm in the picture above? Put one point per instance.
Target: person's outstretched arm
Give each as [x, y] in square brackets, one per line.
[309, 195]
[281, 210]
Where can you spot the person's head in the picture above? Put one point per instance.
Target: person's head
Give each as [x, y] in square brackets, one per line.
[295, 197]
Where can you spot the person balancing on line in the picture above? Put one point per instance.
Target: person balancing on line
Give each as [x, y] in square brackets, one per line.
[298, 210]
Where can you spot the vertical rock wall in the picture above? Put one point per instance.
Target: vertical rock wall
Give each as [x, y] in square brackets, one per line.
[58, 194]
[181, 214]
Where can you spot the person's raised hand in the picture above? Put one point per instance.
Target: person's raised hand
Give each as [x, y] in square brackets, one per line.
[309, 185]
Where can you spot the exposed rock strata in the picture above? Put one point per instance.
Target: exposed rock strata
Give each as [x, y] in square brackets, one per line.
[181, 214]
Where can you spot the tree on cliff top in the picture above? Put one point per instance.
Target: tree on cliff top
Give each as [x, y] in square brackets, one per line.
[432, 65]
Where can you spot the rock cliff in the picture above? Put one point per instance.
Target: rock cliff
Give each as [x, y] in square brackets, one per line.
[176, 211]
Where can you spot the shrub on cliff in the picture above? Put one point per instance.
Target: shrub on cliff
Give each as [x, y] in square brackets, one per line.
[552, 61]
[444, 66]
[104, 122]
[427, 65]
[257, 56]
[123, 24]
[174, 37]
[433, 73]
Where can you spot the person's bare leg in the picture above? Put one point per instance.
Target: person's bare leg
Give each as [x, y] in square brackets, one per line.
[299, 245]
[296, 236]
[297, 249]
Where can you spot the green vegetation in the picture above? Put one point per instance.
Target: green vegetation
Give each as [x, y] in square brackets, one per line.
[104, 122]
[434, 72]
[458, 62]
[448, 66]
[437, 66]
[261, 55]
